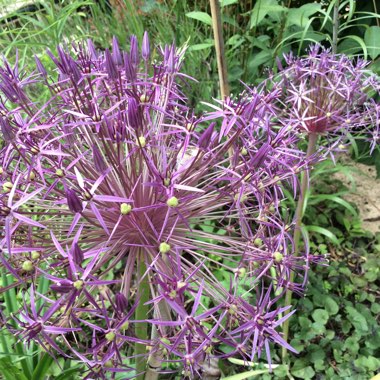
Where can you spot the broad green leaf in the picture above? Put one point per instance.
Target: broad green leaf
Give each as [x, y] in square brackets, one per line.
[360, 42]
[10, 371]
[320, 316]
[246, 375]
[225, 3]
[43, 367]
[304, 373]
[262, 9]
[68, 372]
[325, 232]
[300, 16]
[357, 319]
[201, 46]
[200, 16]
[372, 40]
[334, 198]
[331, 306]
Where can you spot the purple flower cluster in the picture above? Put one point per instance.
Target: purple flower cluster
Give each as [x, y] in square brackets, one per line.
[331, 94]
[123, 199]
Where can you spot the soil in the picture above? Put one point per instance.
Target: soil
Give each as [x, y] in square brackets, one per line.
[365, 194]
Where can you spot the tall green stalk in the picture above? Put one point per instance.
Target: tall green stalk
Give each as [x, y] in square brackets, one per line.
[141, 329]
[219, 48]
[311, 148]
[335, 27]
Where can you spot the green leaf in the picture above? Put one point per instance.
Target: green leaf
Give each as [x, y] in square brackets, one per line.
[320, 316]
[43, 367]
[246, 375]
[68, 372]
[300, 16]
[334, 198]
[331, 306]
[262, 9]
[10, 371]
[369, 362]
[360, 42]
[201, 46]
[372, 40]
[225, 3]
[200, 16]
[357, 319]
[325, 232]
[300, 369]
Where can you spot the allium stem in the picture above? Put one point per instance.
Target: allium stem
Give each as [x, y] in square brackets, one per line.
[311, 148]
[219, 47]
[141, 329]
[335, 27]
[155, 359]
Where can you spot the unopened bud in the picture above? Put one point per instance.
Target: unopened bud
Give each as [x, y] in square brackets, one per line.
[164, 247]
[125, 208]
[110, 336]
[172, 202]
[7, 187]
[27, 266]
[60, 173]
[78, 285]
[35, 255]
[278, 257]
[141, 141]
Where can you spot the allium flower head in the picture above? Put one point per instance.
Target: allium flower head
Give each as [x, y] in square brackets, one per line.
[323, 92]
[115, 183]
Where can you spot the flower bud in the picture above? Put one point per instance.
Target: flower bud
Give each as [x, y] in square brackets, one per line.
[7, 187]
[77, 254]
[145, 49]
[110, 66]
[125, 208]
[35, 255]
[73, 201]
[205, 138]
[277, 256]
[59, 173]
[27, 266]
[130, 71]
[134, 51]
[110, 336]
[7, 130]
[40, 67]
[141, 141]
[121, 302]
[172, 202]
[116, 55]
[164, 247]
[78, 285]
[99, 163]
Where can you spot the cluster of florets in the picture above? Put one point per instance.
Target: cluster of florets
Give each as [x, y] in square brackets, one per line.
[328, 94]
[114, 183]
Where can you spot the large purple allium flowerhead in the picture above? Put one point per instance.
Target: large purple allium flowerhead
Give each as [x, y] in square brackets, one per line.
[325, 92]
[154, 228]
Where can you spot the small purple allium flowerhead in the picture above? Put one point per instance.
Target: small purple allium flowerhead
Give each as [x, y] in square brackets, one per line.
[123, 200]
[325, 93]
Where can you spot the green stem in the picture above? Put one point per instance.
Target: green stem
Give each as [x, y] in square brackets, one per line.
[141, 313]
[219, 47]
[335, 27]
[312, 145]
